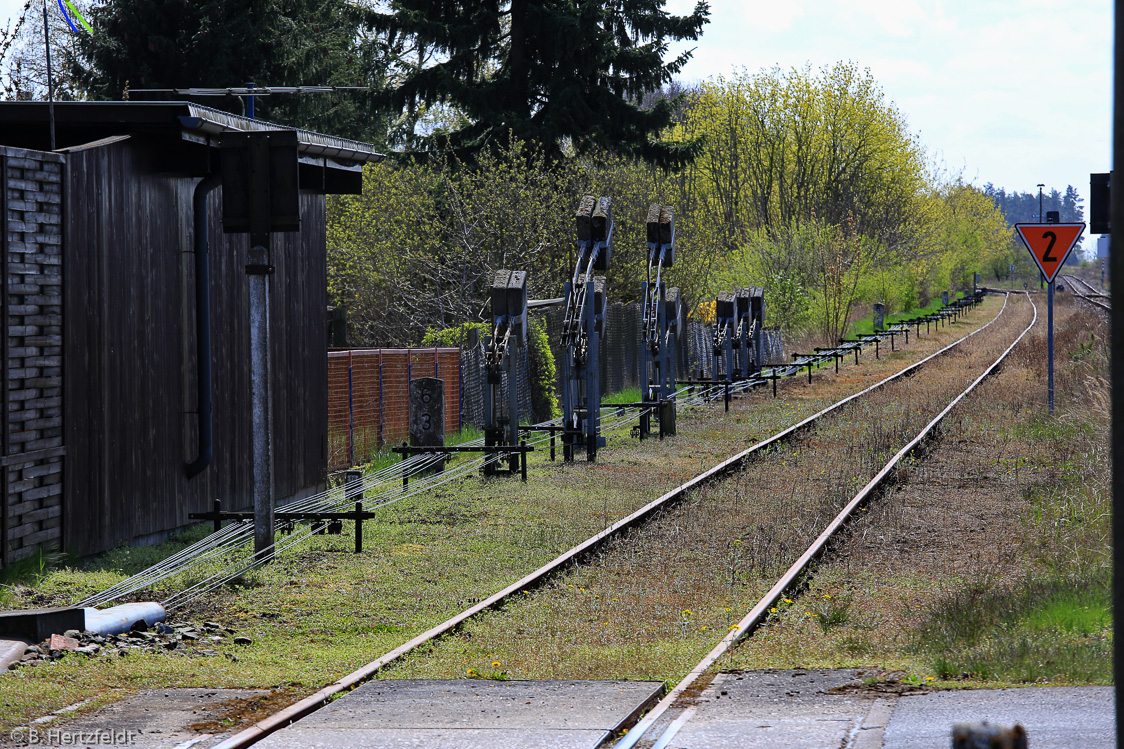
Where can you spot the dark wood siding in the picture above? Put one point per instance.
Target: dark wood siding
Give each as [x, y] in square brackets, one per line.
[130, 359]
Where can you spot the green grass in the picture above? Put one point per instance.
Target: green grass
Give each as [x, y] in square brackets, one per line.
[1050, 630]
[866, 325]
[628, 395]
[320, 611]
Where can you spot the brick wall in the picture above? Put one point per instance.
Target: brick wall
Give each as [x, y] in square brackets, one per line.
[31, 450]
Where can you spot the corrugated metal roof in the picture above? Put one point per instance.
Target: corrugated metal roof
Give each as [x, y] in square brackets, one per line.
[210, 120]
[99, 119]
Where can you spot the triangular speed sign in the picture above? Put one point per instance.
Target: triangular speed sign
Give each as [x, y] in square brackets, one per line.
[1050, 244]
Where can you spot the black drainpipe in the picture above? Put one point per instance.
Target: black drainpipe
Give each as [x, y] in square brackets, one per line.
[203, 324]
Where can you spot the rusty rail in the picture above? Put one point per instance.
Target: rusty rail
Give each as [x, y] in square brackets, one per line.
[313, 702]
[757, 614]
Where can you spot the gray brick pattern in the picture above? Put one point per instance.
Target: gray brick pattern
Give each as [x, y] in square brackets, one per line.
[32, 454]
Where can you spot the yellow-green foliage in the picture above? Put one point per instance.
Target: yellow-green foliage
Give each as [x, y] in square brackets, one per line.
[817, 190]
[809, 184]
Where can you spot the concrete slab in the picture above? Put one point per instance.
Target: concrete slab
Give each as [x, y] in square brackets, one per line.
[774, 709]
[431, 738]
[152, 718]
[1052, 716]
[473, 713]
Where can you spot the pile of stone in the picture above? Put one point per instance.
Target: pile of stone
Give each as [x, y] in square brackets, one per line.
[183, 639]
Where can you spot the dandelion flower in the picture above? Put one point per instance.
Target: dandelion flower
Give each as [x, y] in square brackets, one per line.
[773, 610]
[788, 600]
[495, 664]
[470, 672]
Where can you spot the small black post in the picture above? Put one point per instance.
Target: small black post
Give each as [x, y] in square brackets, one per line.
[836, 363]
[218, 515]
[358, 527]
[726, 388]
[661, 412]
[774, 383]
[891, 342]
[405, 475]
[809, 373]
[523, 460]
[353, 486]
[876, 355]
[907, 336]
[552, 445]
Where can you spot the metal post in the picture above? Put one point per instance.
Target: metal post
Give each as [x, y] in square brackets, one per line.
[380, 402]
[726, 393]
[1050, 344]
[50, 78]
[405, 475]
[1116, 278]
[218, 515]
[262, 403]
[250, 101]
[593, 374]
[358, 528]
[523, 460]
[350, 412]
[353, 485]
[512, 401]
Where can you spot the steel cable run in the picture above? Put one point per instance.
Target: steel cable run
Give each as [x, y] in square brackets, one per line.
[311, 703]
[758, 612]
[385, 488]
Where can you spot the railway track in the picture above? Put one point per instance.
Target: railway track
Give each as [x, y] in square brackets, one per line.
[413, 476]
[582, 551]
[660, 726]
[1087, 292]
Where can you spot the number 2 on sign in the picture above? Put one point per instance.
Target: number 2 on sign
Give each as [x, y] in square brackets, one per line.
[1047, 257]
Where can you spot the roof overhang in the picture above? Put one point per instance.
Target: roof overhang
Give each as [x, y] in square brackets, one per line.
[188, 135]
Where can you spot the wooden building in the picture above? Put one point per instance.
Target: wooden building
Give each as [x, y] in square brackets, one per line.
[102, 385]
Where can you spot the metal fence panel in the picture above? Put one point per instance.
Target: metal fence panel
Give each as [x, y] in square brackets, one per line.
[368, 398]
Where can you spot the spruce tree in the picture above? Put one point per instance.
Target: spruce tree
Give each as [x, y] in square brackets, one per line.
[549, 72]
[140, 44]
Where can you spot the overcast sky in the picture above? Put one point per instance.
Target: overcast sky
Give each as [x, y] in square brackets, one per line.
[1009, 92]
[1013, 92]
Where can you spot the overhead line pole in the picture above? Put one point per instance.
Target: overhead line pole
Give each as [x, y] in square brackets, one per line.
[1116, 218]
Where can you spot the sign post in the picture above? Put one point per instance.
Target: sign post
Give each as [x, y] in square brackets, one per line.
[1050, 245]
[260, 196]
